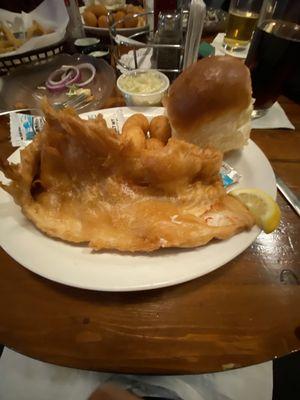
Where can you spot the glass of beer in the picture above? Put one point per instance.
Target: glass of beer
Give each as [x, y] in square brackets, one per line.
[274, 54]
[242, 20]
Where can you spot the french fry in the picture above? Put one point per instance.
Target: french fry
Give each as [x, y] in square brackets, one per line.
[10, 36]
[8, 41]
[35, 29]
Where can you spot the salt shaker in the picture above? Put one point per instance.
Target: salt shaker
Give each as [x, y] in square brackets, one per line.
[168, 32]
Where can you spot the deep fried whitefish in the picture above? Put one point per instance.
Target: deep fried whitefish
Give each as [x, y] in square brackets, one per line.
[82, 182]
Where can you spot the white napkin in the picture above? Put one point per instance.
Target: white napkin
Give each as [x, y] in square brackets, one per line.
[28, 379]
[275, 118]
[143, 57]
[220, 51]
[194, 32]
[50, 14]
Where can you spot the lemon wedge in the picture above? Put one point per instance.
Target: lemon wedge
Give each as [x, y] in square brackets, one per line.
[261, 205]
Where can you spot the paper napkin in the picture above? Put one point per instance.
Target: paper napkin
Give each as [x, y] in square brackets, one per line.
[275, 118]
[194, 31]
[220, 51]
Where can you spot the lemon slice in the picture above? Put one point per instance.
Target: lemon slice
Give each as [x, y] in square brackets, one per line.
[261, 205]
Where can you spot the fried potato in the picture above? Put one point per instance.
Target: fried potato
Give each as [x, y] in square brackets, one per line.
[129, 8]
[103, 21]
[96, 15]
[137, 10]
[9, 37]
[134, 139]
[5, 48]
[154, 144]
[98, 10]
[119, 15]
[8, 41]
[160, 128]
[141, 21]
[138, 120]
[36, 29]
[90, 18]
[130, 21]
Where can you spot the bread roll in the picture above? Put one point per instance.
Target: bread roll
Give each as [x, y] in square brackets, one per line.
[210, 103]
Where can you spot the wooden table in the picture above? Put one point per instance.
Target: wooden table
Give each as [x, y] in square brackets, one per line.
[243, 313]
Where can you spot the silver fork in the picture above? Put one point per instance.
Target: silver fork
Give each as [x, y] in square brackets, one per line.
[77, 102]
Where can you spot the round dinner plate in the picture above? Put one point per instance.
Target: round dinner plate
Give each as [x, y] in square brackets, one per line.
[77, 265]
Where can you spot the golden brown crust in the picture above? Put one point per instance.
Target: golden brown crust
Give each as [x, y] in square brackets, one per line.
[90, 18]
[81, 182]
[206, 90]
[160, 128]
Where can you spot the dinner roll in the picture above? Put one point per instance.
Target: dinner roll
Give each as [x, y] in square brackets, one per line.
[210, 103]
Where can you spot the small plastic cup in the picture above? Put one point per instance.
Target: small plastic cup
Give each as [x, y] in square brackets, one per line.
[87, 45]
[148, 98]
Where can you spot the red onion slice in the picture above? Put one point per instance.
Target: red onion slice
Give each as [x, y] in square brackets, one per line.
[68, 72]
[93, 73]
[60, 73]
[69, 76]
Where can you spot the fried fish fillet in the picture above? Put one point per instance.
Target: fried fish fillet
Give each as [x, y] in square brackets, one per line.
[82, 182]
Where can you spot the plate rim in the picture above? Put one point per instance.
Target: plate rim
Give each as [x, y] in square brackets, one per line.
[146, 286]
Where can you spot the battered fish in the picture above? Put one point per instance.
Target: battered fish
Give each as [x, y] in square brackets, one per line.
[83, 183]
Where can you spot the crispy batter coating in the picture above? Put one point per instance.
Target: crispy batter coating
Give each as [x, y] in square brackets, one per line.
[90, 19]
[97, 9]
[160, 128]
[81, 182]
[103, 21]
[136, 120]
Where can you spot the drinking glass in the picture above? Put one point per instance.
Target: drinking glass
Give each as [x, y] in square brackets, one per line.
[274, 53]
[242, 19]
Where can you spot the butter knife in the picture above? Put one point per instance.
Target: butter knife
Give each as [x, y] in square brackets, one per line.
[292, 199]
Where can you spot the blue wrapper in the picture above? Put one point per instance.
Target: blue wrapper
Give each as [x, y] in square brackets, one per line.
[229, 175]
[23, 128]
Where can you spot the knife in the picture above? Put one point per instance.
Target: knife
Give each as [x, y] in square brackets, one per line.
[292, 199]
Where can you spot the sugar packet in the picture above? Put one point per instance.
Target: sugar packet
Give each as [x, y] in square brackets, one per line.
[114, 120]
[23, 128]
[229, 175]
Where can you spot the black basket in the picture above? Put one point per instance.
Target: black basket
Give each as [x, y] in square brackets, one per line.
[44, 53]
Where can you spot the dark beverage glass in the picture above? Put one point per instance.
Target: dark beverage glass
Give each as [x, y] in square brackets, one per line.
[274, 54]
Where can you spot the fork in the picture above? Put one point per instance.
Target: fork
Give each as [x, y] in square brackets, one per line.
[77, 102]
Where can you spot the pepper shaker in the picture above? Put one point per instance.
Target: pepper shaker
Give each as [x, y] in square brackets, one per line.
[168, 32]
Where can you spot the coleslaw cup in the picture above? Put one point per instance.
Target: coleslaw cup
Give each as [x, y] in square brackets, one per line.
[147, 98]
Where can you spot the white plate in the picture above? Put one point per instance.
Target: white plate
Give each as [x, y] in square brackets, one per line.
[111, 271]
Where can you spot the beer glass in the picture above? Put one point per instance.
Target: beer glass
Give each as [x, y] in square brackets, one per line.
[242, 19]
[274, 53]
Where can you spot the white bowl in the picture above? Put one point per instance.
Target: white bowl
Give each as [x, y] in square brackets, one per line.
[144, 99]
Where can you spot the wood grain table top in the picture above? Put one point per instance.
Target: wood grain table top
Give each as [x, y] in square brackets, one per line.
[246, 312]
